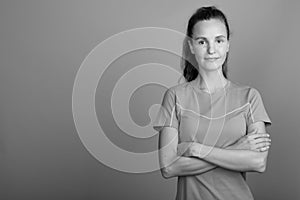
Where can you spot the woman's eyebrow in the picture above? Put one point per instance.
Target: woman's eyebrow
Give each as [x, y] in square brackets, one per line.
[221, 36]
[205, 38]
[200, 37]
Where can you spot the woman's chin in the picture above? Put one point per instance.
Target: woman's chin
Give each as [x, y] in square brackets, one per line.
[211, 67]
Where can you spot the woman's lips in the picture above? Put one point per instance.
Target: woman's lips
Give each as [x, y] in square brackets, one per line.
[211, 59]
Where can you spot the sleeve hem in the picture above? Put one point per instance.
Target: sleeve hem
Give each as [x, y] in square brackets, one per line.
[159, 128]
[266, 121]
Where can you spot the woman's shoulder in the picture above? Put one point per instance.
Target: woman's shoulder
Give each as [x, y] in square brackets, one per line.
[241, 87]
[244, 90]
[179, 88]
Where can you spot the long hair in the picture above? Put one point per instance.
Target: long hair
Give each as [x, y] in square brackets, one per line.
[188, 61]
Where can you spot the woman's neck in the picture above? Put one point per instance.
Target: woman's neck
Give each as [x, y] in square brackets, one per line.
[212, 81]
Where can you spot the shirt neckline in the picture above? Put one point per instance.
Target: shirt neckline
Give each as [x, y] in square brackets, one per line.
[195, 84]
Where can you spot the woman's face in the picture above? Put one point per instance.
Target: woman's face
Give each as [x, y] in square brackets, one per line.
[209, 44]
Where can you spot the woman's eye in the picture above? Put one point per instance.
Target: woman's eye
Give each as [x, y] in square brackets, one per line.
[220, 41]
[201, 42]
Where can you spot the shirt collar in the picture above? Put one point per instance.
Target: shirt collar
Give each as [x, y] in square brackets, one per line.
[196, 85]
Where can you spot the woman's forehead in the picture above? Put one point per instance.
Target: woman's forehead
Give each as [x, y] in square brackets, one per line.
[209, 28]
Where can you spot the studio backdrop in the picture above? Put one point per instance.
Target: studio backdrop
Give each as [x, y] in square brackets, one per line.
[55, 55]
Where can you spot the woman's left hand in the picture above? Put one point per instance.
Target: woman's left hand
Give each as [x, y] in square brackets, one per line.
[189, 149]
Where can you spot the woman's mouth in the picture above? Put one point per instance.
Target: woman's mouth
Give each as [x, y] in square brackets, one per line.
[211, 59]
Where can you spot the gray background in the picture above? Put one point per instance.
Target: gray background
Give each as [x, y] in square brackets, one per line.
[42, 45]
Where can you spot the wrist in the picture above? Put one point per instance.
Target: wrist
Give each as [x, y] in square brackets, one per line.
[199, 150]
[204, 151]
[196, 150]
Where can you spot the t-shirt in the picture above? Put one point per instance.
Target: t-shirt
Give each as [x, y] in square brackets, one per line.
[215, 119]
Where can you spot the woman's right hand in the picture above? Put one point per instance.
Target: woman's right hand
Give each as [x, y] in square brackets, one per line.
[253, 141]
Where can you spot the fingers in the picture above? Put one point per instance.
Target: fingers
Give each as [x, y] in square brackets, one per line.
[262, 145]
[258, 135]
[264, 149]
[262, 140]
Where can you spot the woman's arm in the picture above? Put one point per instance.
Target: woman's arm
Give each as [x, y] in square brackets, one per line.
[235, 159]
[171, 163]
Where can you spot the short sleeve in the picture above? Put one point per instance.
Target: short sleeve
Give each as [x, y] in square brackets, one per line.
[167, 114]
[257, 111]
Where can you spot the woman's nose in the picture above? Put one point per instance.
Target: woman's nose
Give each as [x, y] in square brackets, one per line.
[211, 49]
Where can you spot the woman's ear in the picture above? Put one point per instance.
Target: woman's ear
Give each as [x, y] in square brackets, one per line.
[191, 46]
[228, 45]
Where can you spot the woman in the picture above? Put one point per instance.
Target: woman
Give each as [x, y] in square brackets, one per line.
[212, 130]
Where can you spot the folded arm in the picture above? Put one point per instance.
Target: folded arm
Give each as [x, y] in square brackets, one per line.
[171, 163]
[236, 157]
[249, 153]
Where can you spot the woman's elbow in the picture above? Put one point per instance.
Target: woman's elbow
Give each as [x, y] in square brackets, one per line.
[257, 161]
[166, 172]
[260, 165]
